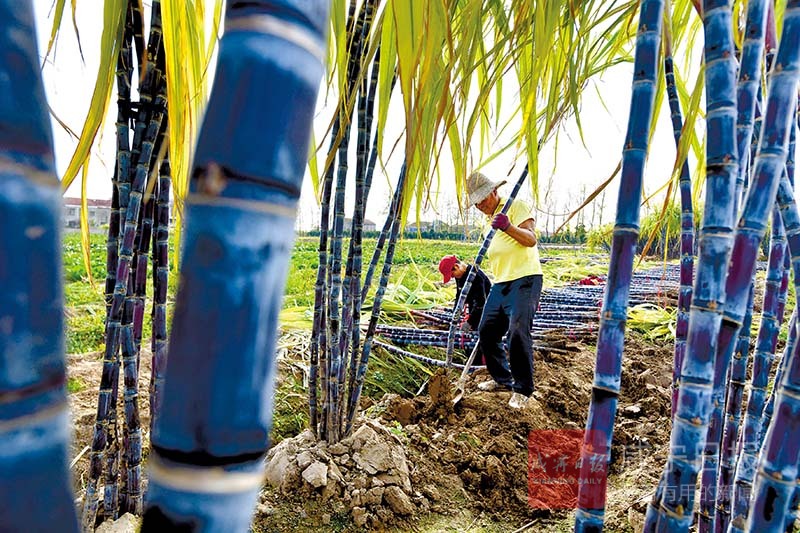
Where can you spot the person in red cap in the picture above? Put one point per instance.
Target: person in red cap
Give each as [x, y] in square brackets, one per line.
[451, 267]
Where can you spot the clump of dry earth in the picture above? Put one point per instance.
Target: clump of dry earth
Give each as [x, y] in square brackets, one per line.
[367, 474]
[415, 457]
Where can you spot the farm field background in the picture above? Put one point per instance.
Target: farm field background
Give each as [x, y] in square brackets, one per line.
[415, 280]
[415, 284]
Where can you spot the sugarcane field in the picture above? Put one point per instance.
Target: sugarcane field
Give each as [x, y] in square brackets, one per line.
[399, 265]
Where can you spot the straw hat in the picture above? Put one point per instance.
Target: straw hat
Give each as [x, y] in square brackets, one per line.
[479, 187]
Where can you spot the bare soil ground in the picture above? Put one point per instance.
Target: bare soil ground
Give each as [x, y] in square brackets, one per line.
[467, 464]
[84, 370]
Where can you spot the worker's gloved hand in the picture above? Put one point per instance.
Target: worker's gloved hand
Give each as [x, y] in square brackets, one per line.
[501, 222]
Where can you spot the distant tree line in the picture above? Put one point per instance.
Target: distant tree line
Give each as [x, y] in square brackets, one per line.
[577, 235]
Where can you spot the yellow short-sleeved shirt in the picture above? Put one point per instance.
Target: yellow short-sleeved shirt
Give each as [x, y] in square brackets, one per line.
[507, 259]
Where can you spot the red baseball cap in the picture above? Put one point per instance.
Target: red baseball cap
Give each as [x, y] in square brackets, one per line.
[446, 266]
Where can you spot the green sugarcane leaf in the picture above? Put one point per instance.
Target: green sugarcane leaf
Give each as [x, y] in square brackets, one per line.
[213, 38]
[780, 10]
[74, 6]
[58, 14]
[184, 23]
[84, 223]
[688, 130]
[337, 42]
[408, 21]
[110, 42]
[386, 72]
[313, 169]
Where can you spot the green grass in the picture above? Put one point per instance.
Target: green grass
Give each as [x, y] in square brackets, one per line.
[85, 328]
[74, 270]
[415, 264]
[84, 302]
[85, 307]
[290, 410]
[75, 385]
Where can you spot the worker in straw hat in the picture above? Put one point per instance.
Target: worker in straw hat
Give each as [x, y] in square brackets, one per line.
[513, 259]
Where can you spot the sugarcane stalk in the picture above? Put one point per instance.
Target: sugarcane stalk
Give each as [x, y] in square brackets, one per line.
[351, 297]
[319, 339]
[334, 302]
[792, 511]
[736, 294]
[360, 290]
[146, 238]
[596, 450]
[428, 360]
[160, 266]
[687, 225]
[762, 359]
[750, 102]
[127, 339]
[366, 105]
[142, 260]
[749, 81]
[160, 287]
[319, 331]
[148, 89]
[733, 416]
[734, 316]
[121, 180]
[355, 396]
[791, 151]
[138, 31]
[124, 74]
[358, 79]
[119, 323]
[337, 291]
[105, 442]
[127, 354]
[769, 406]
[373, 88]
[777, 465]
[35, 486]
[771, 159]
[137, 241]
[112, 242]
[209, 441]
[469, 343]
[748, 454]
[694, 405]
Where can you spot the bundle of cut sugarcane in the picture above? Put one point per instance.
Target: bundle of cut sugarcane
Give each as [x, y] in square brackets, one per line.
[429, 360]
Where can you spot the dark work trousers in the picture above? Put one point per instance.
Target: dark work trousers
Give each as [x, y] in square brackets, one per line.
[509, 310]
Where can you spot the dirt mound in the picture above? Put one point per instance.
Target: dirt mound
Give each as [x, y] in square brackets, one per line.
[474, 455]
[84, 371]
[367, 474]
